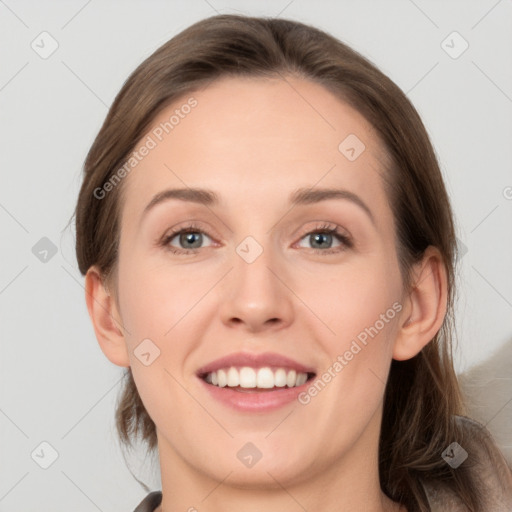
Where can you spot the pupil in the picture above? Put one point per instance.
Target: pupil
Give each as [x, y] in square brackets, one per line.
[189, 237]
[320, 236]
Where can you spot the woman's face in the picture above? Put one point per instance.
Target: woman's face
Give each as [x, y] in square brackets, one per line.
[262, 282]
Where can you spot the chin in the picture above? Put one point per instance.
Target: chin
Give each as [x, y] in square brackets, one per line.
[263, 475]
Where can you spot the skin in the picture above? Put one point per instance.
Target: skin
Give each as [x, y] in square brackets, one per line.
[254, 141]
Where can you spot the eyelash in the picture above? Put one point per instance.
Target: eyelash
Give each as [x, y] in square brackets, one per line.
[326, 229]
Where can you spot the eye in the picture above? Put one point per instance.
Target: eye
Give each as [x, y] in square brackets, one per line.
[190, 238]
[322, 238]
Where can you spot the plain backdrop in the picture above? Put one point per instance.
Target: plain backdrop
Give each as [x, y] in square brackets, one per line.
[57, 386]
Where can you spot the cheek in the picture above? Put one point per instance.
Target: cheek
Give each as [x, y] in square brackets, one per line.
[157, 309]
[353, 298]
[352, 383]
[361, 307]
[156, 298]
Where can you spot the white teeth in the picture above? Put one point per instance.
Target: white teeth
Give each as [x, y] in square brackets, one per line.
[263, 378]
[291, 378]
[233, 378]
[247, 377]
[301, 379]
[222, 378]
[280, 378]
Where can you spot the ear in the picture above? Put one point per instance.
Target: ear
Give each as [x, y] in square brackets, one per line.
[105, 318]
[425, 306]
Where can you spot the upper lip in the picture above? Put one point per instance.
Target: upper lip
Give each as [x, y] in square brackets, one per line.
[254, 361]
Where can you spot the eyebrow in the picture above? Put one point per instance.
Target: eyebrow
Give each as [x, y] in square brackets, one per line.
[301, 196]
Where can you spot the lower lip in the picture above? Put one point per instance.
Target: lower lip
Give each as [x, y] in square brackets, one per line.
[257, 401]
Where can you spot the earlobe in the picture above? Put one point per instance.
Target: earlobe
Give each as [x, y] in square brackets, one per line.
[424, 313]
[105, 318]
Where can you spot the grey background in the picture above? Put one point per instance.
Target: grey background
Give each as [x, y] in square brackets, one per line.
[57, 386]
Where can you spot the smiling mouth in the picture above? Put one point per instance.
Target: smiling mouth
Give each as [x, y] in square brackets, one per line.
[253, 380]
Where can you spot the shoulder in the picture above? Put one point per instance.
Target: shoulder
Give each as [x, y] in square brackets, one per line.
[477, 449]
[150, 502]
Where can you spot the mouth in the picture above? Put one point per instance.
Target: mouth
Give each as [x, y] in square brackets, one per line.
[247, 379]
[255, 382]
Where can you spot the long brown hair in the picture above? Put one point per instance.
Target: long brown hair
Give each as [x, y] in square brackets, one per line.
[422, 395]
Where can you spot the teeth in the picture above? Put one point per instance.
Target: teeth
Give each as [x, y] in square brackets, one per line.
[262, 378]
[265, 378]
[291, 378]
[247, 377]
[222, 377]
[233, 378]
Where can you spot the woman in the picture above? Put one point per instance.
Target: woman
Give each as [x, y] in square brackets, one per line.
[272, 373]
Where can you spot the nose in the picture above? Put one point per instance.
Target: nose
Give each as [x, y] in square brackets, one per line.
[257, 295]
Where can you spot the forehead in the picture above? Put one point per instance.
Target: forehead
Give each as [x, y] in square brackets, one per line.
[257, 138]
